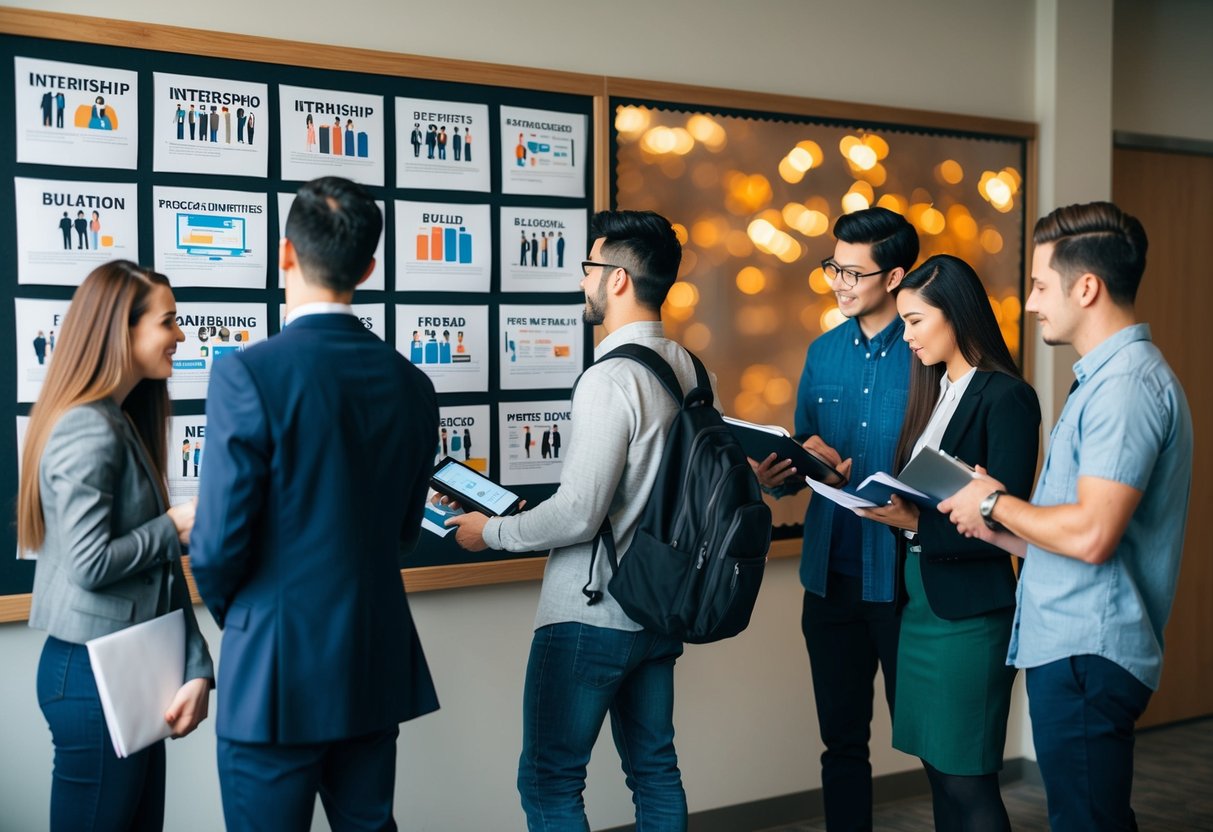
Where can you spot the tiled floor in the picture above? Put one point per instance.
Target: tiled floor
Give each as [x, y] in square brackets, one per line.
[1172, 789]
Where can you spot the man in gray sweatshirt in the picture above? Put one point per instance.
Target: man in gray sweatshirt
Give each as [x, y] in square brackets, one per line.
[590, 661]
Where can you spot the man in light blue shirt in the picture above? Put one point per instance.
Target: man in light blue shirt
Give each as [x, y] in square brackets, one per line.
[1104, 532]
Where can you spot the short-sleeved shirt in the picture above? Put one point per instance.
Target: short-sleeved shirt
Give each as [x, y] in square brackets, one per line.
[853, 395]
[1127, 421]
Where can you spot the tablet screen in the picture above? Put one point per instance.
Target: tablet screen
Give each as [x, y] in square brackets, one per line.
[481, 489]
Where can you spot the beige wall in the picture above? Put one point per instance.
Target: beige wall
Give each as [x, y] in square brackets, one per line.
[745, 722]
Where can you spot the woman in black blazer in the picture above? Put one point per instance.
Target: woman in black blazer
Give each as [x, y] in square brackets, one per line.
[967, 398]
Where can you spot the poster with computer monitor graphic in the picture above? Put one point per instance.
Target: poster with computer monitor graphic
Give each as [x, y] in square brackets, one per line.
[76, 115]
[443, 247]
[66, 229]
[211, 238]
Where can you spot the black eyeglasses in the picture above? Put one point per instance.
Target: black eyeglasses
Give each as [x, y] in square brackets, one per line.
[586, 265]
[849, 276]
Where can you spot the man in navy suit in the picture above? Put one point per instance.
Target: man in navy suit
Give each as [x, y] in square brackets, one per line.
[319, 448]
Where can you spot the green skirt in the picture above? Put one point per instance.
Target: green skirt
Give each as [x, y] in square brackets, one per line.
[953, 684]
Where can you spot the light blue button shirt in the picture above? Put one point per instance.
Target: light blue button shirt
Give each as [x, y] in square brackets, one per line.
[1127, 421]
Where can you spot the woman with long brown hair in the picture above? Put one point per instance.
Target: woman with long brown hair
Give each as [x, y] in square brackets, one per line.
[93, 505]
[967, 398]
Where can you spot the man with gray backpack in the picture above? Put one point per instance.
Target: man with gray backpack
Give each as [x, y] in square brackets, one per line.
[657, 535]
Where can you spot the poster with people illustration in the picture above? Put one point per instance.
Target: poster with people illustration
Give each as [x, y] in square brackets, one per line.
[210, 125]
[66, 229]
[186, 440]
[443, 247]
[531, 436]
[541, 346]
[76, 115]
[331, 133]
[542, 152]
[213, 331]
[374, 282]
[39, 323]
[542, 249]
[449, 342]
[442, 145]
[211, 238]
[464, 432]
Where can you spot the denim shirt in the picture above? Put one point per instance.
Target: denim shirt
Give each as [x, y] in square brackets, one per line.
[853, 395]
[1126, 421]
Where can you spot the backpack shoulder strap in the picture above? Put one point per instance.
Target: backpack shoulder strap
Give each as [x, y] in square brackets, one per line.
[655, 364]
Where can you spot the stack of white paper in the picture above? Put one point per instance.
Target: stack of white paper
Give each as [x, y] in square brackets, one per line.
[138, 671]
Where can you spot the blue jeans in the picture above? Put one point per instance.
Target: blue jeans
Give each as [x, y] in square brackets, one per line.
[576, 675]
[92, 789]
[1083, 709]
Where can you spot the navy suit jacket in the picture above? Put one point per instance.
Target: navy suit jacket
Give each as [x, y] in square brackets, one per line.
[996, 425]
[319, 446]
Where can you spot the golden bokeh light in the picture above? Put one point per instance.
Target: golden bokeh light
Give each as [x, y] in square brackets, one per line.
[778, 391]
[680, 231]
[751, 280]
[894, 202]
[818, 282]
[788, 172]
[738, 243]
[705, 233]
[754, 378]
[950, 171]
[853, 202]
[756, 320]
[800, 158]
[991, 241]
[932, 221]
[831, 318]
[879, 146]
[682, 295]
[862, 156]
[708, 131]
[697, 337]
[631, 121]
[814, 150]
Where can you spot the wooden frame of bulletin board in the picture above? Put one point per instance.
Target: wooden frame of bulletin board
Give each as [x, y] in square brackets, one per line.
[168, 49]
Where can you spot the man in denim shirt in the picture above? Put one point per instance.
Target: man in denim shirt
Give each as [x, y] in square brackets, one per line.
[1104, 532]
[849, 409]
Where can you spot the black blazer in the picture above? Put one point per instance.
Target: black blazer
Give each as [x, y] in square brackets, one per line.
[996, 425]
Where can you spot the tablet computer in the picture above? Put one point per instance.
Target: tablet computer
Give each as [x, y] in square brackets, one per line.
[473, 490]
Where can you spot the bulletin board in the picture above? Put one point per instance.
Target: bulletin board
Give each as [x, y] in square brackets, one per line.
[184, 154]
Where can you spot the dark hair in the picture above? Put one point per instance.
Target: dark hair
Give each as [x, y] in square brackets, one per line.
[894, 241]
[1098, 238]
[951, 286]
[645, 245]
[334, 226]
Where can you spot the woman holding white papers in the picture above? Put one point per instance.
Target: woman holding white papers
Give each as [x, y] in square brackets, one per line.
[92, 504]
[967, 398]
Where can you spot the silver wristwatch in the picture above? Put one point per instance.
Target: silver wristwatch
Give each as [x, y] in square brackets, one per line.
[987, 510]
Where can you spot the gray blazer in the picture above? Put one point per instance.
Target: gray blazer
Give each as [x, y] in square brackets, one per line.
[111, 557]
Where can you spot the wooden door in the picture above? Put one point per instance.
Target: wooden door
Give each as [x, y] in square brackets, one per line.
[1172, 194]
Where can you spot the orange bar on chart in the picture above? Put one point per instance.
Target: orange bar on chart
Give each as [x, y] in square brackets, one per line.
[436, 243]
[423, 246]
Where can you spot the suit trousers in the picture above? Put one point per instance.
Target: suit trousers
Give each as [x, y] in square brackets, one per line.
[273, 788]
[847, 638]
[92, 790]
[1083, 709]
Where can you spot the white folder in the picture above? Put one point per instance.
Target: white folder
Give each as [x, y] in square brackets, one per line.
[138, 671]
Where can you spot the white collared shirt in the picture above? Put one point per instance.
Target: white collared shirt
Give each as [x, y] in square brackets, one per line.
[319, 308]
[950, 394]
